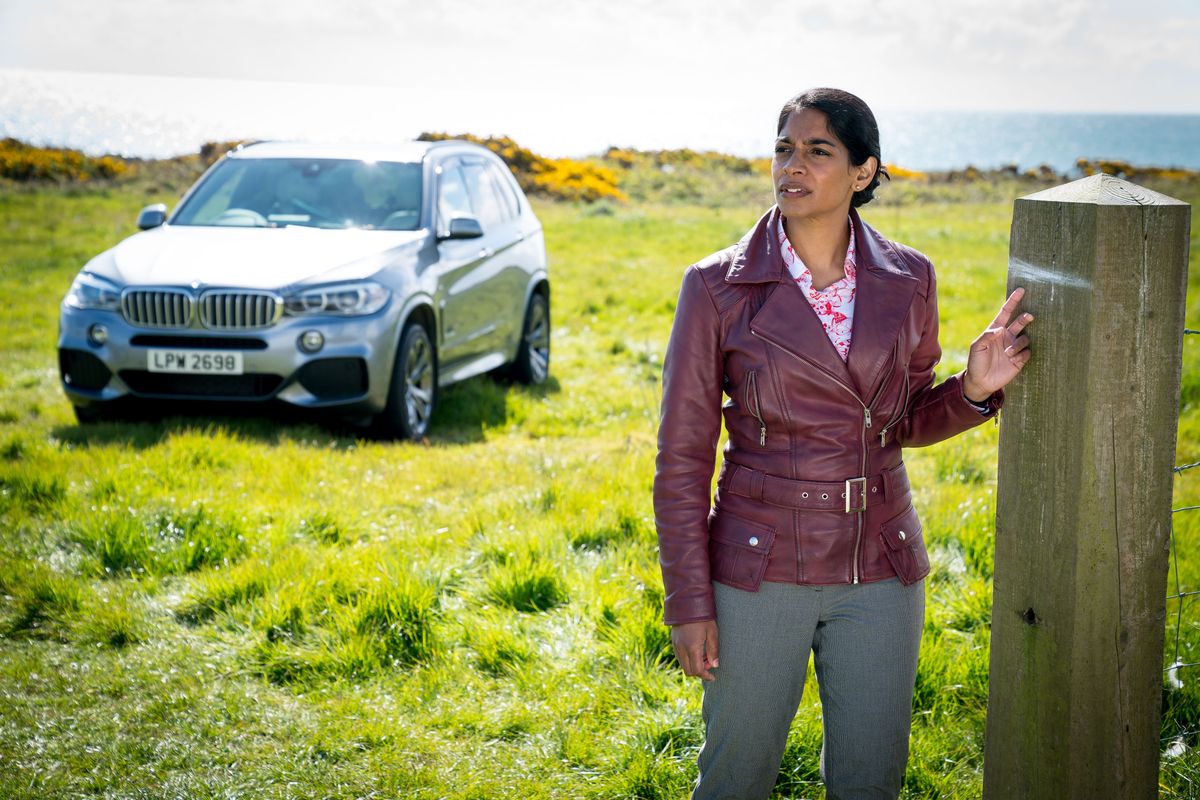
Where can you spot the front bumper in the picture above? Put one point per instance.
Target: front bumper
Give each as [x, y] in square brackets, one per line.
[350, 372]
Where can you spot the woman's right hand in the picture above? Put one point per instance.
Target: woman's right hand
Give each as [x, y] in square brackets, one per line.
[696, 648]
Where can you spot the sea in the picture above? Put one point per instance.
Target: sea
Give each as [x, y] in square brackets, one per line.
[155, 117]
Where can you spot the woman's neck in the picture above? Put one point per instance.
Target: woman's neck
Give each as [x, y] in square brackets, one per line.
[821, 244]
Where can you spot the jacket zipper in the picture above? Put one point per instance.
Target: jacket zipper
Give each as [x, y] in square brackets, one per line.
[883, 386]
[862, 437]
[756, 411]
[859, 526]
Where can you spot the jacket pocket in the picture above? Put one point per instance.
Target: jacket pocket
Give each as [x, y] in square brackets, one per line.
[904, 546]
[738, 550]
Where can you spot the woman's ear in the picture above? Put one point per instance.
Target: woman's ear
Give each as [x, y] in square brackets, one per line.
[866, 171]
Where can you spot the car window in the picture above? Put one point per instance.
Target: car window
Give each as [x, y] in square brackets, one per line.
[484, 196]
[314, 192]
[214, 198]
[504, 187]
[453, 199]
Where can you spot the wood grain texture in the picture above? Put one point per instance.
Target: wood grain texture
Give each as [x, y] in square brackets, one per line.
[1087, 443]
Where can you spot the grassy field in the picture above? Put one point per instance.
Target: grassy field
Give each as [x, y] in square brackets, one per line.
[237, 607]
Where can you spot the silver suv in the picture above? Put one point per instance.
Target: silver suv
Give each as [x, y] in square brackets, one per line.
[354, 279]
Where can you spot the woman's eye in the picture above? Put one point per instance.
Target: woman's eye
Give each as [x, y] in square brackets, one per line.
[819, 152]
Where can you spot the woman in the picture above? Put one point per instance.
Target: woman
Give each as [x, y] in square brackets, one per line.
[824, 337]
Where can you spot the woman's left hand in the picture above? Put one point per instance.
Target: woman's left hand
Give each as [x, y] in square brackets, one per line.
[999, 353]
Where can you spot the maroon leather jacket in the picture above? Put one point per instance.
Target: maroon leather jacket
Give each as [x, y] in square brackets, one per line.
[812, 488]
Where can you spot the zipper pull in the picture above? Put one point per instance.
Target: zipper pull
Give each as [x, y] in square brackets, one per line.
[883, 438]
[762, 435]
[867, 415]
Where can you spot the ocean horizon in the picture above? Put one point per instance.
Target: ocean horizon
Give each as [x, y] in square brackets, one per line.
[157, 117]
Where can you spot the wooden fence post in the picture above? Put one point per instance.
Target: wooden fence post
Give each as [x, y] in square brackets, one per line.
[1083, 506]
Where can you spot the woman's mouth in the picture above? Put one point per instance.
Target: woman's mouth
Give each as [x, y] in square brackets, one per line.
[793, 191]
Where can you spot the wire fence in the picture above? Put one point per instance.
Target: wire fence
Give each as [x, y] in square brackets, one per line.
[1176, 742]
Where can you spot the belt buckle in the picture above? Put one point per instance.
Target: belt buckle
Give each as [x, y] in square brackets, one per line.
[862, 483]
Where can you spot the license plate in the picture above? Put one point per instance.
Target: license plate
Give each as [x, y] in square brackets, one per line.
[195, 362]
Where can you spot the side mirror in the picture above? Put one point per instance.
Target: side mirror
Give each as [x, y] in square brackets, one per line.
[152, 216]
[462, 228]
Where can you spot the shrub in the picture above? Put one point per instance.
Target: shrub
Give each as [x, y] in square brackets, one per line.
[557, 178]
[24, 162]
[1131, 172]
[211, 152]
[898, 172]
[689, 176]
[686, 158]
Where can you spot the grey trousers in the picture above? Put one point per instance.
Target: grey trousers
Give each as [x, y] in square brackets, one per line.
[864, 639]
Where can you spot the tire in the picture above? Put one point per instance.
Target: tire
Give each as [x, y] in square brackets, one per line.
[532, 364]
[413, 392]
[94, 414]
[86, 415]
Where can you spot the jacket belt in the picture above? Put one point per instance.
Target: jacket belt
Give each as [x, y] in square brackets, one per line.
[849, 496]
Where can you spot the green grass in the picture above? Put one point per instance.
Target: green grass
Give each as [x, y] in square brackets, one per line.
[242, 607]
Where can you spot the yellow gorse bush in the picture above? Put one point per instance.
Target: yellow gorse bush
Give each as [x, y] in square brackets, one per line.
[24, 162]
[897, 172]
[1123, 169]
[707, 161]
[559, 178]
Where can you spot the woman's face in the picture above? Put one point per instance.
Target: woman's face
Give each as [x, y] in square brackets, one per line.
[811, 170]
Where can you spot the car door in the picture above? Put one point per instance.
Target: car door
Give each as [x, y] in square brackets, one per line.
[464, 270]
[508, 274]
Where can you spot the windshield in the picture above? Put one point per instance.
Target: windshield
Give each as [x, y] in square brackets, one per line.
[315, 192]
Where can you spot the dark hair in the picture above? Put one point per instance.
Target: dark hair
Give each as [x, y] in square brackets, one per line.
[851, 121]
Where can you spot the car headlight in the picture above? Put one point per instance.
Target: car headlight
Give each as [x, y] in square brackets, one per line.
[342, 299]
[91, 291]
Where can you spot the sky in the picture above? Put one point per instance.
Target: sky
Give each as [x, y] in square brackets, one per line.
[679, 68]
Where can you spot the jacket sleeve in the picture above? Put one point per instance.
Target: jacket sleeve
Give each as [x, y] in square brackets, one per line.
[937, 412]
[689, 427]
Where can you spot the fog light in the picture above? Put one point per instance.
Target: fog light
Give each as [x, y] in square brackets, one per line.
[311, 341]
[97, 334]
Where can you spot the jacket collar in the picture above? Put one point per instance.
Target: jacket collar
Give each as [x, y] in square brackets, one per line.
[885, 287]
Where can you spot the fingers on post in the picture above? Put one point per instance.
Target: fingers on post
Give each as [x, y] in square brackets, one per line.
[1019, 344]
[1019, 323]
[1018, 352]
[1006, 310]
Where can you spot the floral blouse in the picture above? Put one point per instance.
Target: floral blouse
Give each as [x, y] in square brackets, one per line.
[834, 305]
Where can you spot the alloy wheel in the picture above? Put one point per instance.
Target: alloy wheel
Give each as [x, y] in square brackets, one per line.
[418, 381]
